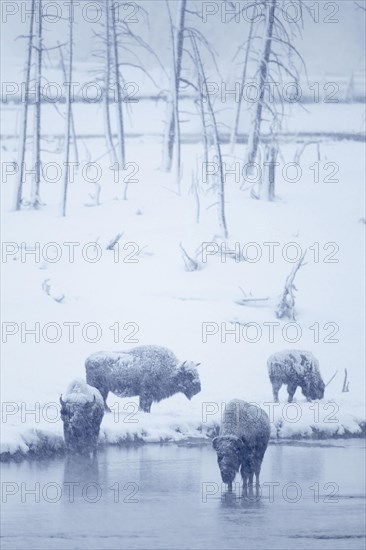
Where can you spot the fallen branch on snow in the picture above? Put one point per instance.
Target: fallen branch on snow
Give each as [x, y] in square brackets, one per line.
[190, 263]
[52, 292]
[112, 243]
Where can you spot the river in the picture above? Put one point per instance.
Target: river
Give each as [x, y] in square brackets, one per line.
[157, 497]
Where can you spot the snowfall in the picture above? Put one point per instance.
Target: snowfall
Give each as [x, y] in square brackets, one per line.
[90, 296]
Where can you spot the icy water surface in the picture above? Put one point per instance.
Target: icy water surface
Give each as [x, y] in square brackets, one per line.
[171, 497]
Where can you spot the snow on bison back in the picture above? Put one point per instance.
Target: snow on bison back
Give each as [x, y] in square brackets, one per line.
[151, 372]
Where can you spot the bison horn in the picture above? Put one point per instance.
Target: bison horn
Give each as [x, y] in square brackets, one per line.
[62, 401]
[94, 400]
[198, 364]
[184, 362]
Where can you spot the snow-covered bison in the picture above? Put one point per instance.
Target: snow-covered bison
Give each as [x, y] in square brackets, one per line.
[295, 368]
[242, 442]
[151, 372]
[82, 411]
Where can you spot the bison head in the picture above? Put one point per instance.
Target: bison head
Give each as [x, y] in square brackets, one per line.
[229, 449]
[81, 422]
[317, 390]
[314, 386]
[187, 379]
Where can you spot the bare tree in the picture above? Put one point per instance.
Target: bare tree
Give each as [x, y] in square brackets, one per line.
[24, 119]
[173, 135]
[35, 200]
[270, 8]
[171, 122]
[120, 126]
[216, 139]
[107, 81]
[68, 114]
[267, 183]
[247, 46]
[195, 190]
[276, 62]
[120, 46]
[74, 139]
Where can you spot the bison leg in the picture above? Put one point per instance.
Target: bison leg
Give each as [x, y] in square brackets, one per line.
[145, 404]
[250, 483]
[245, 481]
[258, 462]
[245, 477]
[104, 393]
[257, 471]
[275, 389]
[291, 389]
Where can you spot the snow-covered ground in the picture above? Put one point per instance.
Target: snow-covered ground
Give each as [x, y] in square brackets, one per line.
[140, 293]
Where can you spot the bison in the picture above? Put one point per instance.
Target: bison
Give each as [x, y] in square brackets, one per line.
[295, 368]
[82, 411]
[151, 372]
[242, 442]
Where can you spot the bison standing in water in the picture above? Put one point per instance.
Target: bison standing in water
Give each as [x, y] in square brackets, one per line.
[242, 442]
[151, 372]
[82, 411]
[295, 368]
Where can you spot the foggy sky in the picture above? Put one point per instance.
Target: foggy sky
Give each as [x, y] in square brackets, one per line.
[327, 47]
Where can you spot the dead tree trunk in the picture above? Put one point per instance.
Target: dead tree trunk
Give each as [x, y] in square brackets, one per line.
[263, 73]
[286, 305]
[267, 185]
[107, 79]
[218, 156]
[234, 131]
[119, 102]
[35, 200]
[196, 193]
[174, 106]
[200, 88]
[68, 118]
[17, 201]
[63, 68]
[171, 123]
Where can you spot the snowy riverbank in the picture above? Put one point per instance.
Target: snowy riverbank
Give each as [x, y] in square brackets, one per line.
[297, 421]
[59, 309]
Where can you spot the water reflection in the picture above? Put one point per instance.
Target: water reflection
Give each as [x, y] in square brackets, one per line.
[251, 499]
[81, 468]
[168, 508]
